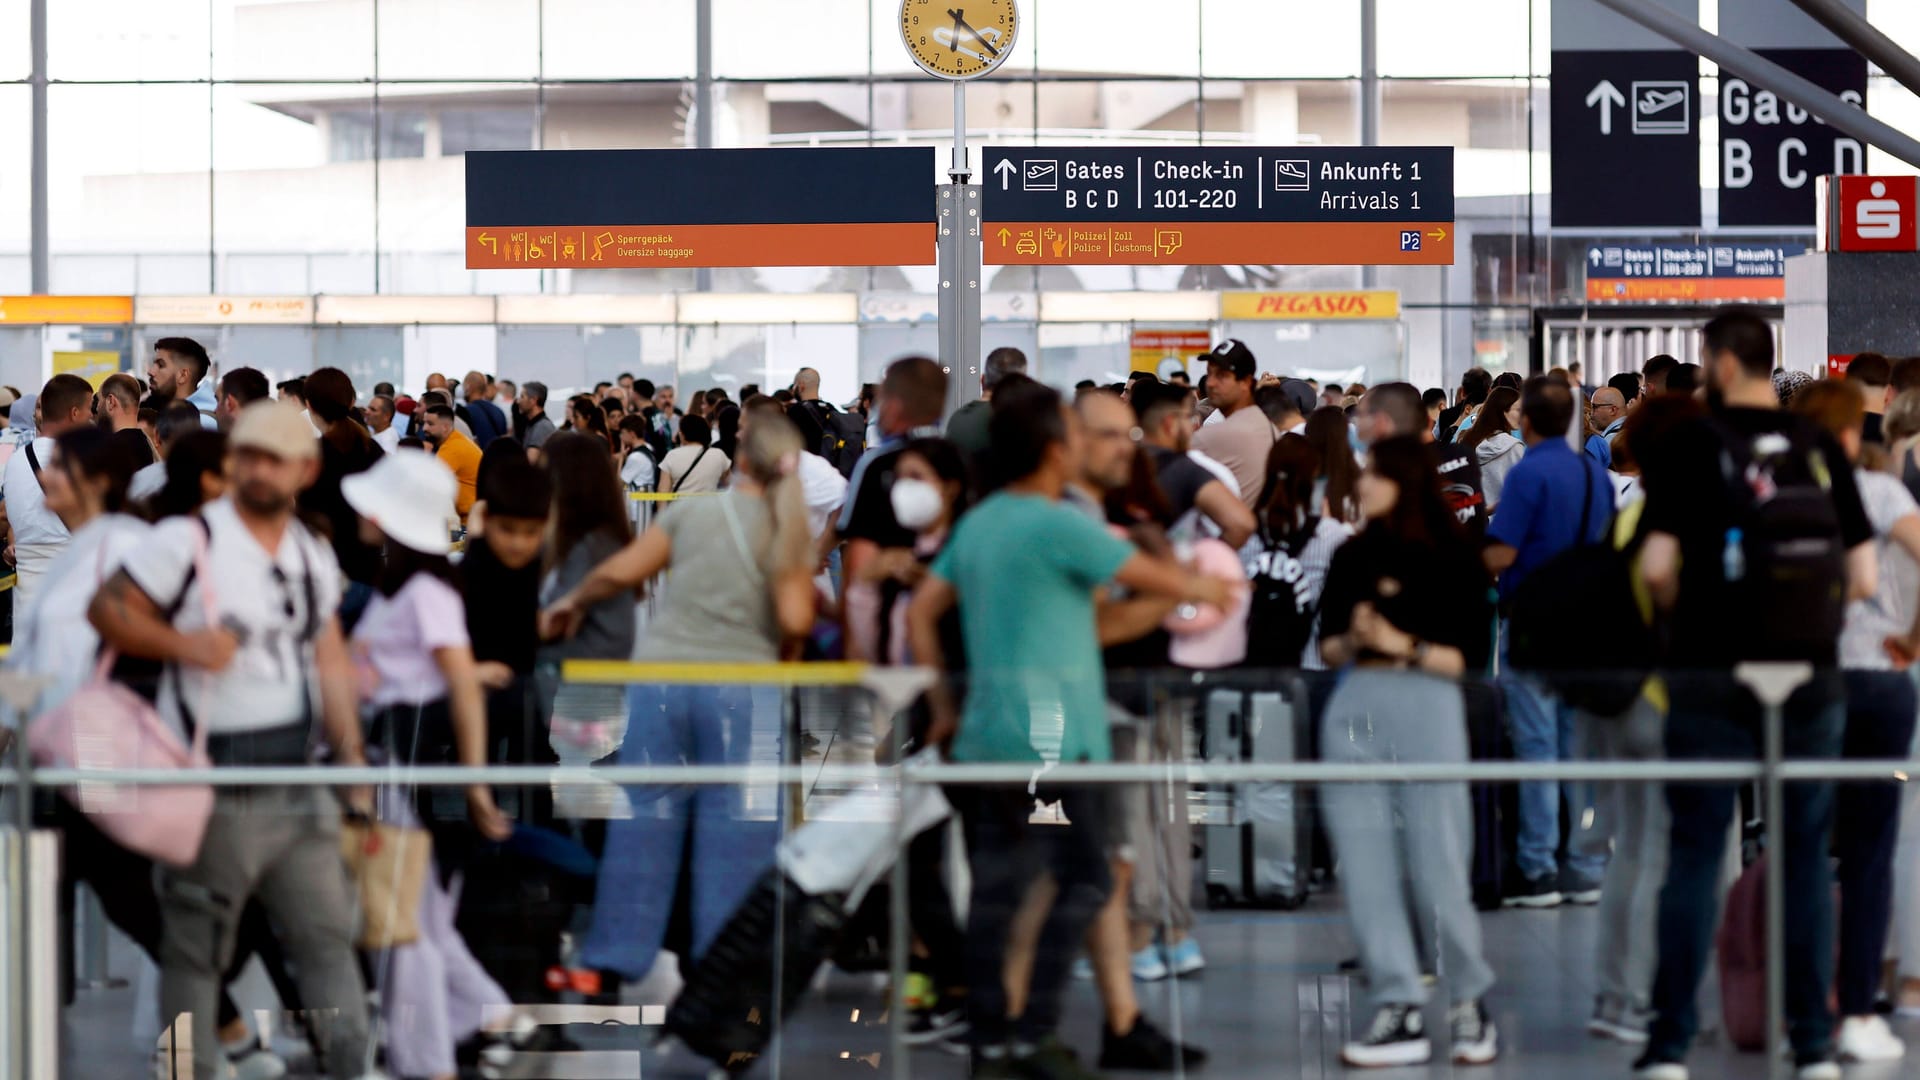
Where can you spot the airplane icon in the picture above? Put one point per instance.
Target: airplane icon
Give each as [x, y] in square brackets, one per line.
[1654, 100]
[1292, 174]
[1662, 108]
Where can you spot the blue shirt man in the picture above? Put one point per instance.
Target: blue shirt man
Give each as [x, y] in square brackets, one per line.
[1548, 495]
[1609, 415]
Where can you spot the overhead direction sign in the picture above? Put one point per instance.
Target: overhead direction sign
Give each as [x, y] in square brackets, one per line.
[1219, 205]
[1691, 272]
[605, 209]
[1773, 152]
[1625, 113]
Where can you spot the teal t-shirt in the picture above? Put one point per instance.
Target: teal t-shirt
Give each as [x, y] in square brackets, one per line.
[1026, 568]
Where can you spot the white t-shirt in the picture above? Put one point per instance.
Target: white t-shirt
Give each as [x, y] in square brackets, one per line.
[27, 512]
[389, 440]
[148, 481]
[1890, 609]
[52, 636]
[637, 470]
[261, 597]
[824, 489]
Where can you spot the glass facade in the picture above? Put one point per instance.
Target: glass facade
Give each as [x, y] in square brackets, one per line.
[243, 148]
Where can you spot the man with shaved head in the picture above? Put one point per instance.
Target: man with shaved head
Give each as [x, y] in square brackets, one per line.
[1609, 411]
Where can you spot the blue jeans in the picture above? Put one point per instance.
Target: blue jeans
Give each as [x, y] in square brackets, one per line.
[732, 829]
[1714, 719]
[1543, 730]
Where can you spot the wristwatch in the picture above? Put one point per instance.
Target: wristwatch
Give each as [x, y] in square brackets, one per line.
[1420, 651]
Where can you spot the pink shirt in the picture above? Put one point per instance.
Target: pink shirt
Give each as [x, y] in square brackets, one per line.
[396, 638]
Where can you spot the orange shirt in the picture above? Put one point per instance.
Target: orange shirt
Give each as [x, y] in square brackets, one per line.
[462, 455]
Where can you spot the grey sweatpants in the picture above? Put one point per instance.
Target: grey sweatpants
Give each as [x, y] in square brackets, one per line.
[283, 846]
[1634, 817]
[1404, 850]
[1155, 823]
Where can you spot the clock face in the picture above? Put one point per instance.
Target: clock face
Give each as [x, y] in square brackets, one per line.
[958, 39]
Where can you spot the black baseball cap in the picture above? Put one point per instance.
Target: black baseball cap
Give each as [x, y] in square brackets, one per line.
[1234, 355]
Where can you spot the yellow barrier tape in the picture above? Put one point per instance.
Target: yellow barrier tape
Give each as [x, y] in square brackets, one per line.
[7, 582]
[5, 650]
[665, 496]
[621, 673]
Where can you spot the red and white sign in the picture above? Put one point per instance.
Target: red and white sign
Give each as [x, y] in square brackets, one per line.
[1871, 213]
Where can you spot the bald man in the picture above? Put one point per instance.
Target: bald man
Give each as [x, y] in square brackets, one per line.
[1609, 413]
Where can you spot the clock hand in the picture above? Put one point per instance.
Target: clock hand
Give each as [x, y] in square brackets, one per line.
[954, 45]
[984, 43]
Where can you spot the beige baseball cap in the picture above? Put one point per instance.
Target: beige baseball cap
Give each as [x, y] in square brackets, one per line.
[277, 429]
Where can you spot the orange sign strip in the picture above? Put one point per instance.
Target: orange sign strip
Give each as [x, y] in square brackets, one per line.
[606, 247]
[1213, 243]
[66, 309]
[1628, 289]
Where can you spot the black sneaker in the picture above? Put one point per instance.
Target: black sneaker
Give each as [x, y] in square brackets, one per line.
[1398, 1036]
[1657, 1066]
[1475, 1040]
[1576, 888]
[1051, 1060]
[1146, 1049]
[993, 1063]
[943, 1026]
[1540, 892]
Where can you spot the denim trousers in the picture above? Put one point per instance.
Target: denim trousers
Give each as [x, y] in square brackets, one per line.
[1714, 719]
[1880, 721]
[725, 833]
[1543, 729]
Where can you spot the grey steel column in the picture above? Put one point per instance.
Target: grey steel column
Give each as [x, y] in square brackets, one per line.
[1769, 76]
[959, 222]
[40, 281]
[1369, 97]
[1866, 39]
[703, 102]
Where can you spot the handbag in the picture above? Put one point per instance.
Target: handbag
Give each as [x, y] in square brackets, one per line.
[105, 725]
[389, 864]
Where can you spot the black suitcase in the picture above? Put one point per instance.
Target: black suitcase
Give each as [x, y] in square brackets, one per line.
[727, 1010]
[1496, 807]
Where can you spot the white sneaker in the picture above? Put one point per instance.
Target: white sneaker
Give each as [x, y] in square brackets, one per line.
[1868, 1038]
[255, 1062]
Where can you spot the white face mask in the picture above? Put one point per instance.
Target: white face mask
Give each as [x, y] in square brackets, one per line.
[916, 503]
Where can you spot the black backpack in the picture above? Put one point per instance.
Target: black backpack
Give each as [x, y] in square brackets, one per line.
[1575, 623]
[1785, 573]
[845, 436]
[1280, 613]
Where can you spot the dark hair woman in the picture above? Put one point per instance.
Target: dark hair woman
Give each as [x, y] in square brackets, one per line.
[1328, 431]
[196, 475]
[1494, 441]
[1296, 545]
[589, 525]
[346, 448]
[1406, 605]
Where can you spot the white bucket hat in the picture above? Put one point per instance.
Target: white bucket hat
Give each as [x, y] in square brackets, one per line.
[408, 494]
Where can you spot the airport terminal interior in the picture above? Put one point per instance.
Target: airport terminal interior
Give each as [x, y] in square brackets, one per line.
[751, 197]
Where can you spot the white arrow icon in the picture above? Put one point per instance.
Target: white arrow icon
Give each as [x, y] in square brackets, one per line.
[1005, 169]
[1594, 254]
[1606, 95]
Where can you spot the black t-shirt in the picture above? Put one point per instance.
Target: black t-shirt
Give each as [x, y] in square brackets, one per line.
[1871, 430]
[805, 416]
[1181, 478]
[868, 514]
[502, 606]
[1438, 594]
[138, 448]
[1690, 498]
[342, 454]
[1459, 468]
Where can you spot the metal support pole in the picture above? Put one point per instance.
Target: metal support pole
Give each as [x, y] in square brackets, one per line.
[1867, 40]
[960, 270]
[959, 172]
[1769, 76]
[703, 102]
[1369, 96]
[38, 277]
[1772, 685]
[21, 948]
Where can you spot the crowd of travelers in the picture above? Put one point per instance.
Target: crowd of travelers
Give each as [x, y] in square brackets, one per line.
[1532, 568]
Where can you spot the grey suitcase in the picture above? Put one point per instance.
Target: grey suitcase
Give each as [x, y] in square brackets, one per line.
[1264, 858]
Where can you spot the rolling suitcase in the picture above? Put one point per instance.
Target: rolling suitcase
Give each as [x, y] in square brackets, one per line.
[1264, 858]
[1496, 808]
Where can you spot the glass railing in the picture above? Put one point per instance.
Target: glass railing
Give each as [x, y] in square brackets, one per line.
[1254, 863]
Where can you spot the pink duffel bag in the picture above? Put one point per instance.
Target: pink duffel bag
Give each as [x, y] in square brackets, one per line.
[105, 725]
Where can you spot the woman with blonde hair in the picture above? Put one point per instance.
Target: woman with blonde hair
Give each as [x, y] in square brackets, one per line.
[739, 588]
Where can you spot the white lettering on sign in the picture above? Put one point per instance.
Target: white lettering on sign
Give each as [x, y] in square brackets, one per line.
[1347, 170]
[1078, 171]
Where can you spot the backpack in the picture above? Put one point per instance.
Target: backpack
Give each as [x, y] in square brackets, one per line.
[1575, 623]
[1783, 562]
[1280, 613]
[845, 436]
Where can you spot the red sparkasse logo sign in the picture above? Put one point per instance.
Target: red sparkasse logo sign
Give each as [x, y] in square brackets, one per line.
[1873, 213]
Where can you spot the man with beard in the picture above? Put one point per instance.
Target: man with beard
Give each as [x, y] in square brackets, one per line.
[178, 372]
